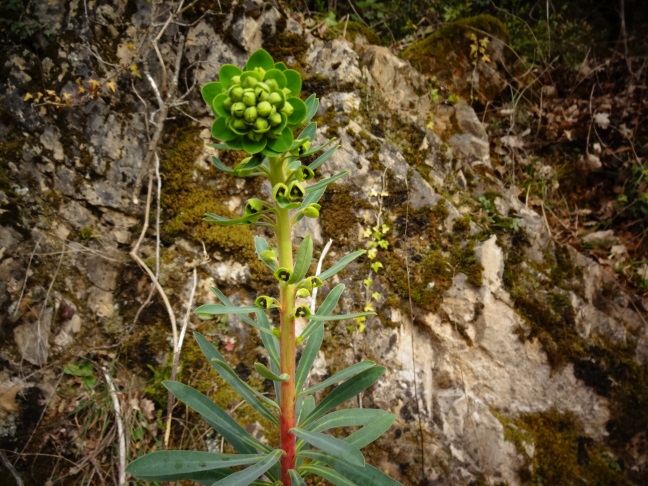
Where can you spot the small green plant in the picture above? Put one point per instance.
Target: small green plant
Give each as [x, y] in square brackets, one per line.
[257, 109]
[376, 233]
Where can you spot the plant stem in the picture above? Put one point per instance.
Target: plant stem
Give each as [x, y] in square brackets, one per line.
[287, 330]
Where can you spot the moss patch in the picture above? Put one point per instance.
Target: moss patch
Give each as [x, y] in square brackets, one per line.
[431, 54]
[562, 452]
[190, 193]
[432, 264]
[352, 31]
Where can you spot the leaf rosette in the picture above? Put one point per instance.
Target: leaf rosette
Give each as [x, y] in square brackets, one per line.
[256, 107]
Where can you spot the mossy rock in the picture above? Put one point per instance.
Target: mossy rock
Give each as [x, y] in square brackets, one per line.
[355, 32]
[446, 54]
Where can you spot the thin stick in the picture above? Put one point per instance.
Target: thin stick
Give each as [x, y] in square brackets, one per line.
[10, 468]
[154, 280]
[176, 358]
[120, 427]
[22, 291]
[411, 316]
[318, 271]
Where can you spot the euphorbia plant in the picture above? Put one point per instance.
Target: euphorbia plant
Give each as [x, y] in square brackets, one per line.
[257, 109]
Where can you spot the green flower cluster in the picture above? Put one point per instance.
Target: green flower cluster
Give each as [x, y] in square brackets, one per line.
[256, 107]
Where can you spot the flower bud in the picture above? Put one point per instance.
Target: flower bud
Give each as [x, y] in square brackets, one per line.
[311, 211]
[264, 108]
[268, 256]
[275, 99]
[227, 104]
[263, 96]
[283, 274]
[279, 190]
[302, 311]
[275, 119]
[236, 93]
[303, 293]
[250, 114]
[272, 84]
[260, 88]
[239, 125]
[296, 191]
[249, 98]
[249, 82]
[261, 125]
[287, 109]
[236, 80]
[252, 135]
[238, 109]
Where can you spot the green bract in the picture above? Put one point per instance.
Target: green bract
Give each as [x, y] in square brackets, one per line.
[257, 107]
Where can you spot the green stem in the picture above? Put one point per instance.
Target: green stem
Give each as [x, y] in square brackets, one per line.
[287, 330]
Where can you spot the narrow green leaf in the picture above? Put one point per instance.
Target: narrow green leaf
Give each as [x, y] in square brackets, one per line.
[266, 373]
[341, 317]
[222, 221]
[217, 418]
[344, 261]
[312, 104]
[246, 391]
[296, 478]
[260, 58]
[324, 157]
[219, 165]
[325, 308]
[329, 474]
[270, 341]
[345, 391]
[308, 357]
[367, 434]
[348, 417]
[332, 446]
[352, 370]
[367, 475]
[219, 309]
[302, 260]
[326, 182]
[261, 245]
[171, 465]
[320, 148]
[308, 132]
[312, 197]
[249, 474]
[307, 408]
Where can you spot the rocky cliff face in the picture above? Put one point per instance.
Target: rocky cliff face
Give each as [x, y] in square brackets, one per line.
[510, 357]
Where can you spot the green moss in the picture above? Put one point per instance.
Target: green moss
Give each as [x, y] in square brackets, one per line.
[286, 45]
[187, 197]
[430, 55]
[338, 215]
[562, 452]
[352, 30]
